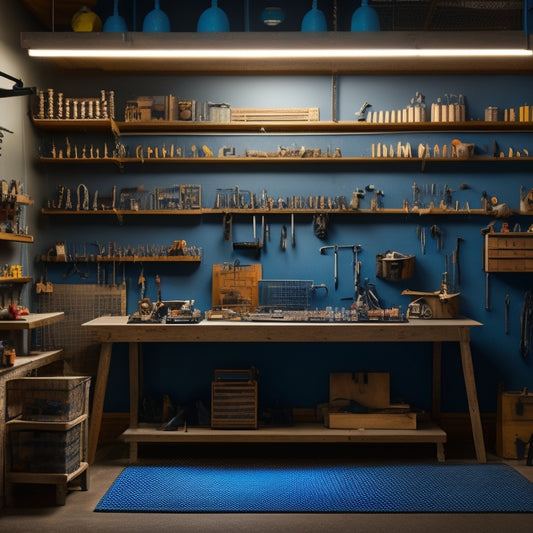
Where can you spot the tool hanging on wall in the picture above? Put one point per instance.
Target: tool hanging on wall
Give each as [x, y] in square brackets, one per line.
[436, 233]
[356, 248]
[456, 265]
[526, 324]
[421, 234]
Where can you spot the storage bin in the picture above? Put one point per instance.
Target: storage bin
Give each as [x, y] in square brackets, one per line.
[394, 266]
[50, 399]
[46, 451]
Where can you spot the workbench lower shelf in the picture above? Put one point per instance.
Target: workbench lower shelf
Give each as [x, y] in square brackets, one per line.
[428, 432]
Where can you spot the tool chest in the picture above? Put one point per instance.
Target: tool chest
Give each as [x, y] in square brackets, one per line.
[508, 252]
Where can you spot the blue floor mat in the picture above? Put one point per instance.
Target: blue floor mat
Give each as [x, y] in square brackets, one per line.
[441, 488]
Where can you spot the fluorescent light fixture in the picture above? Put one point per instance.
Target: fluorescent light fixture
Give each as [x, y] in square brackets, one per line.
[261, 53]
[285, 52]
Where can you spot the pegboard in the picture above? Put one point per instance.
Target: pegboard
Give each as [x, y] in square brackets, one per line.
[80, 303]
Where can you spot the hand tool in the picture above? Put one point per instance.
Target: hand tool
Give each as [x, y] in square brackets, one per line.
[507, 303]
[356, 248]
[293, 234]
[283, 242]
[457, 266]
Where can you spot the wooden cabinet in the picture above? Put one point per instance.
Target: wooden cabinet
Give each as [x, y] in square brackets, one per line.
[508, 252]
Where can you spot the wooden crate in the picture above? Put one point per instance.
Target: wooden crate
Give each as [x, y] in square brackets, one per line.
[508, 252]
[514, 423]
[293, 114]
[48, 399]
[234, 402]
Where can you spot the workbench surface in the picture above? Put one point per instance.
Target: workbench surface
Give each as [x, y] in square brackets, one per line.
[117, 329]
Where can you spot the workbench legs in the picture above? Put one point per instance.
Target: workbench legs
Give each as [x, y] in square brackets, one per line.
[98, 399]
[471, 392]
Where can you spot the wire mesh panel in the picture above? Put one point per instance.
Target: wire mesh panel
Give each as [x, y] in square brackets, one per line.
[285, 294]
[80, 303]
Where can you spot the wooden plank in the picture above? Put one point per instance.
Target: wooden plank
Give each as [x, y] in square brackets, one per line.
[253, 114]
[371, 421]
[116, 329]
[99, 397]
[427, 432]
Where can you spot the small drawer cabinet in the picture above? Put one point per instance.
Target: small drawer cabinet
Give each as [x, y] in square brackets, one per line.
[508, 252]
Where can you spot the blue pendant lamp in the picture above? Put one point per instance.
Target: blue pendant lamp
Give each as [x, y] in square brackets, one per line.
[115, 23]
[156, 20]
[314, 20]
[365, 18]
[213, 19]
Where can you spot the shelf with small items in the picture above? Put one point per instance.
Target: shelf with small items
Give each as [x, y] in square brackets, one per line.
[285, 211]
[126, 259]
[269, 127]
[7, 280]
[16, 237]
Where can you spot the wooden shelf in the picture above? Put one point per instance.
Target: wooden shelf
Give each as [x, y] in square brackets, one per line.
[32, 361]
[8, 280]
[258, 211]
[129, 259]
[31, 321]
[272, 127]
[16, 237]
[428, 432]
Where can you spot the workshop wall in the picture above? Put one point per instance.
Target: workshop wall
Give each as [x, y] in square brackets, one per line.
[297, 375]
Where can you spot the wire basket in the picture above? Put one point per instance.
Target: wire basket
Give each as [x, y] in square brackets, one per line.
[285, 294]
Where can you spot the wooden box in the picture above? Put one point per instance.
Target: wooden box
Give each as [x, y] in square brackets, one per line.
[508, 252]
[371, 390]
[48, 399]
[395, 268]
[514, 424]
[234, 400]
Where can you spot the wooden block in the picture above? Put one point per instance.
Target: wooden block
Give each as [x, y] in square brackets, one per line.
[371, 389]
[371, 421]
[251, 114]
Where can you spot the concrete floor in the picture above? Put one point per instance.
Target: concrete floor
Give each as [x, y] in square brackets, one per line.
[36, 511]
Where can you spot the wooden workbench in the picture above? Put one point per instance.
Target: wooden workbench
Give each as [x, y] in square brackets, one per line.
[111, 329]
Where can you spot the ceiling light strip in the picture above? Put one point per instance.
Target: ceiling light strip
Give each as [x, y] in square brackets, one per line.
[277, 53]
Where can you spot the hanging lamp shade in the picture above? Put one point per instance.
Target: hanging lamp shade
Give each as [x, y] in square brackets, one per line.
[213, 19]
[365, 18]
[272, 16]
[156, 20]
[115, 23]
[314, 20]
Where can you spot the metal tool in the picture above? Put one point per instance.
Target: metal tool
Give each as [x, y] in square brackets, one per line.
[507, 304]
[456, 264]
[356, 248]
[487, 291]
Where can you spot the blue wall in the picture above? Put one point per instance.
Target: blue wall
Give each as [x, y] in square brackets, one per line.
[297, 375]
